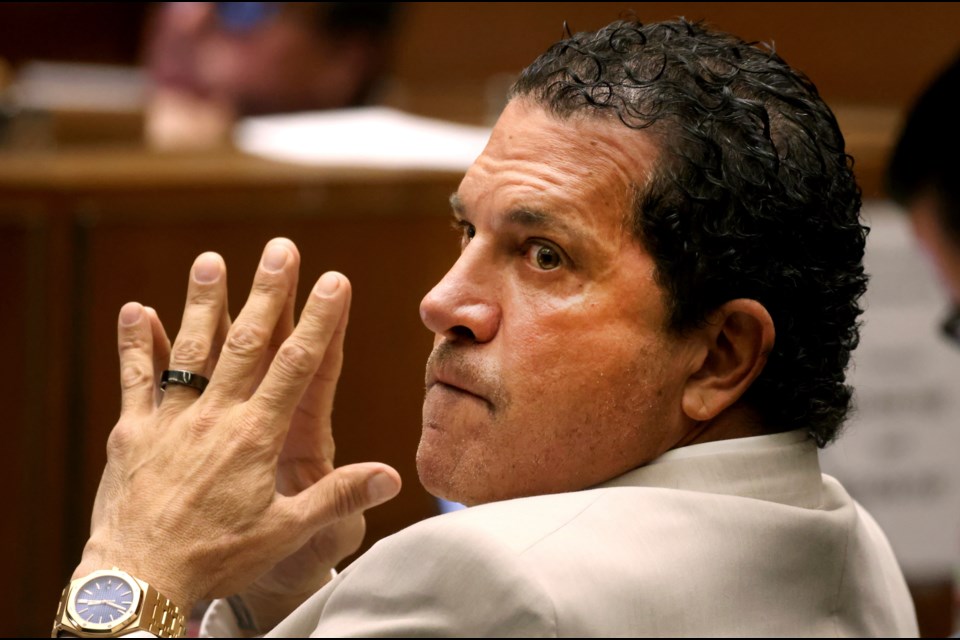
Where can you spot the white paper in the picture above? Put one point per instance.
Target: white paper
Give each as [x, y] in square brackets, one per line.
[63, 86]
[375, 137]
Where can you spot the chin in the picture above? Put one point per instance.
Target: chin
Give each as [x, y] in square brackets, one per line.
[435, 476]
[442, 478]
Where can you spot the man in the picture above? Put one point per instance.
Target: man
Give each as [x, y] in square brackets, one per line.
[636, 355]
[213, 61]
[924, 177]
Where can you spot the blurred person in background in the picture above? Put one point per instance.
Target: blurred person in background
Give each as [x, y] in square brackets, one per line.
[924, 177]
[211, 62]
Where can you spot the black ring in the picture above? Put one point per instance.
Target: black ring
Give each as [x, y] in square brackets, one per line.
[184, 378]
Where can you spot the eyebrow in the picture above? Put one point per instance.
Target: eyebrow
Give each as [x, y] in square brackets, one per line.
[533, 218]
[524, 217]
[456, 204]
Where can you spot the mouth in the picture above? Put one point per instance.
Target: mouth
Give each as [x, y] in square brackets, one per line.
[456, 389]
[456, 373]
[447, 385]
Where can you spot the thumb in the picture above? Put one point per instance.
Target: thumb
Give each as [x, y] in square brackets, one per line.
[345, 491]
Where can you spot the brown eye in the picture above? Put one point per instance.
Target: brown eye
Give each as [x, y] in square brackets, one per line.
[547, 258]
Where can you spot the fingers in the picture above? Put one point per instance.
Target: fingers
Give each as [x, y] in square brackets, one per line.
[223, 328]
[344, 492]
[202, 315]
[135, 342]
[316, 404]
[161, 343]
[206, 301]
[300, 356]
[161, 350]
[284, 325]
[249, 337]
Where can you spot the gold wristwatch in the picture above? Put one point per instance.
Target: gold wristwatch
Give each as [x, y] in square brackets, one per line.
[111, 603]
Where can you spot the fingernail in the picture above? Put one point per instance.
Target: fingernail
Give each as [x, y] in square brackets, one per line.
[275, 257]
[206, 269]
[328, 284]
[381, 487]
[130, 314]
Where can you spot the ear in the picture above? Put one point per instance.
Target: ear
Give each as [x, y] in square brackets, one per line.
[738, 337]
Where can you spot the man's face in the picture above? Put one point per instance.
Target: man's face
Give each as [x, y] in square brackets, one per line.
[552, 369]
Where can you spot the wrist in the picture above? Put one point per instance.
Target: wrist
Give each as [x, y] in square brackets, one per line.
[166, 582]
[111, 602]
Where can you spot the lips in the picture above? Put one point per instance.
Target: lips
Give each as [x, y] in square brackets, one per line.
[451, 387]
[451, 384]
[455, 382]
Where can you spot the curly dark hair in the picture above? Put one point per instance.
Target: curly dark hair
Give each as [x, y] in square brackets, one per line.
[752, 197]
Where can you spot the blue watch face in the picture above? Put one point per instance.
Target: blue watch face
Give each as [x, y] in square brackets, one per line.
[103, 600]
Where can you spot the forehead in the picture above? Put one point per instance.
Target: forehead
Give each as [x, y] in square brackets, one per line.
[591, 162]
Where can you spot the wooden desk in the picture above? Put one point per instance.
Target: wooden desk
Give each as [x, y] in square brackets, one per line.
[83, 232]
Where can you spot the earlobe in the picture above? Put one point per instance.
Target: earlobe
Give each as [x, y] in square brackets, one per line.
[738, 338]
[695, 406]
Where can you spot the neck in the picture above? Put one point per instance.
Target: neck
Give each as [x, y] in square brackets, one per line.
[739, 421]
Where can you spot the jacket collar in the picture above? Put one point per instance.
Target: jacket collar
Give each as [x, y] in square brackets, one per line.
[782, 467]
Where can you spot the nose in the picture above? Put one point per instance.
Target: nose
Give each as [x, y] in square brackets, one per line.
[464, 305]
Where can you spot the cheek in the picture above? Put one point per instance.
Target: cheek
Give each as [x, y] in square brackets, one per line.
[574, 427]
[571, 374]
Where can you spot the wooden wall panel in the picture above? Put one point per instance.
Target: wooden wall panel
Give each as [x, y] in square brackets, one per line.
[36, 347]
[873, 53]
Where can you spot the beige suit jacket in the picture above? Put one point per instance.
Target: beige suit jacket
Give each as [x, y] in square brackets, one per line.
[735, 538]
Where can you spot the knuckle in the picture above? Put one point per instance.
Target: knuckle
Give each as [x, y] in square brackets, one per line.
[347, 498]
[270, 402]
[246, 341]
[324, 317]
[205, 295]
[328, 376]
[268, 285]
[205, 419]
[249, 433]
[120, 440]
[295, 360]
[190, 350]
[135, 376]
[308, 414]
[132, 342]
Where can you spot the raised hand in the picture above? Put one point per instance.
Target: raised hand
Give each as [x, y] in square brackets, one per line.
[204, 494]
